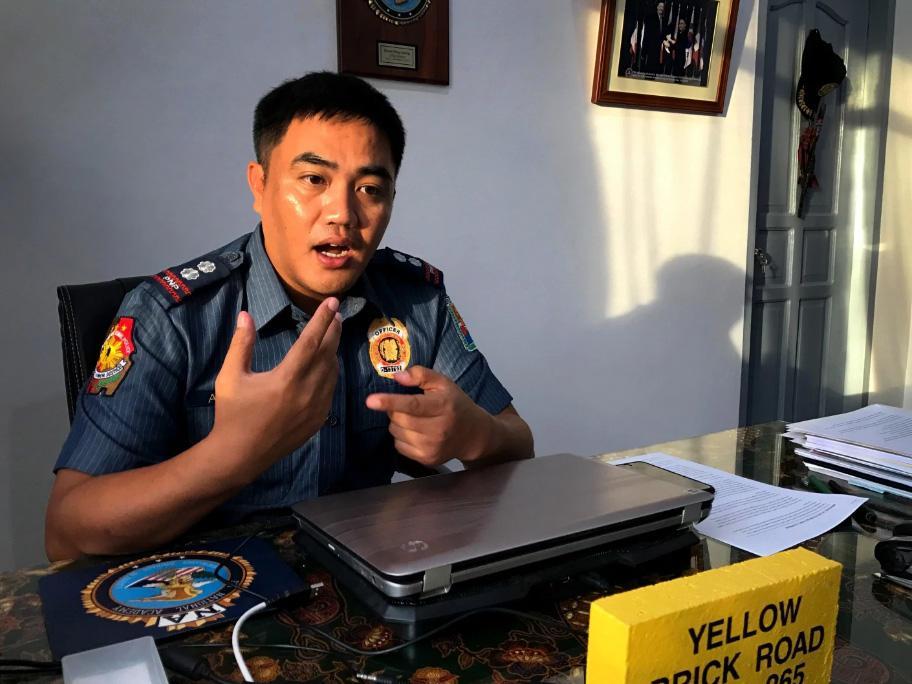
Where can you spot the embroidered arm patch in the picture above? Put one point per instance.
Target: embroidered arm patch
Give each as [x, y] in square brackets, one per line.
[461, 328]
[115, 359]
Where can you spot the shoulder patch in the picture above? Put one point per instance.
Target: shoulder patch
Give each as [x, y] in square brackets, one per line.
[409, 264]
[461, 328]
[115, 358]
[180, 282]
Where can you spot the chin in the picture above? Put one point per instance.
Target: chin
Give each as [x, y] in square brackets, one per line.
[336, 287]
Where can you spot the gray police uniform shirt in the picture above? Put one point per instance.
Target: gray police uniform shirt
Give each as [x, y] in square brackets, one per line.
[152, 394]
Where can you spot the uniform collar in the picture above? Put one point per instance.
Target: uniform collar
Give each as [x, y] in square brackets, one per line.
[266, 296]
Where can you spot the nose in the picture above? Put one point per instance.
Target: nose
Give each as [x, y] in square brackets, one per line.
[340, 206]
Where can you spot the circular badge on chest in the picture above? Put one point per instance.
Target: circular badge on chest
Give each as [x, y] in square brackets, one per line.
[399, 11]
[388, 343]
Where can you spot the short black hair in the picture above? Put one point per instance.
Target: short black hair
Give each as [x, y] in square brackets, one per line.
[330, 96]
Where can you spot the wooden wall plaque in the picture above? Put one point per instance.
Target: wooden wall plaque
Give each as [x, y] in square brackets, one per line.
[406, 40]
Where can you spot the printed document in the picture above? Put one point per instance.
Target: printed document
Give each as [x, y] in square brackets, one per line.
[759, 518]
[884, 428]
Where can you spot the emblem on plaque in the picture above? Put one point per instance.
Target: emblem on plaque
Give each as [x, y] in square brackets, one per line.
[399, 12]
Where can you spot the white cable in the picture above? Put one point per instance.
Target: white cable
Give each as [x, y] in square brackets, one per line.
[236, 647]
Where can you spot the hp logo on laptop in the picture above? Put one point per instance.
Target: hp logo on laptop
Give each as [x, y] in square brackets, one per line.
[414, 546]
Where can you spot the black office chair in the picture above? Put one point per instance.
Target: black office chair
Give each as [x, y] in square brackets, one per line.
[86, 313]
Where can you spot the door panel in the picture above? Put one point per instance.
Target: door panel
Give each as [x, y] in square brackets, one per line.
[803, 267]
[812, 317]
[767, 354]
[815, 267]
[783, 35]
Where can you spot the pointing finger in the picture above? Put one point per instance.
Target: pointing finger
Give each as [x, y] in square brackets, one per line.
[419, 376]
[412, 404]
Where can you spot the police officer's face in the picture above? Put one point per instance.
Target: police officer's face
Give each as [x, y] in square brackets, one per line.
[325, 200]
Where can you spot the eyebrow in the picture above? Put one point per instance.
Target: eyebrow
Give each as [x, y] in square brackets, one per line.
[368, 170]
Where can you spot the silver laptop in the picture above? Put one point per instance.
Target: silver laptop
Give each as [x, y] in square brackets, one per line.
[421, 537]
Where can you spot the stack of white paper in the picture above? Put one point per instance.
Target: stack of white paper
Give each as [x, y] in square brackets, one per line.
[871, 447]
[754, 516]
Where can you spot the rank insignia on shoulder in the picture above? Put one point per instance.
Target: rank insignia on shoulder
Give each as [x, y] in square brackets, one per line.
[388, 342]
[180, 282]
[414, 265]
[461, 328]
[115, 358]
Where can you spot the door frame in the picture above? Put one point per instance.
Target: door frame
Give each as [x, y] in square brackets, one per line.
[862, 289]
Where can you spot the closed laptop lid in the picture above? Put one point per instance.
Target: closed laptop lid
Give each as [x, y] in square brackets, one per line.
[442, 520]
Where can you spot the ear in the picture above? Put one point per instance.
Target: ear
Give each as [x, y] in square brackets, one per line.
[256, 179]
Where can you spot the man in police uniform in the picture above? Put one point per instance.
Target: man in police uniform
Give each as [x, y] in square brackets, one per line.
[294, 361]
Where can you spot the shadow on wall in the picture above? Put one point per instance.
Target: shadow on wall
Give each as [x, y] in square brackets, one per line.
[32, 427]
[684, 323]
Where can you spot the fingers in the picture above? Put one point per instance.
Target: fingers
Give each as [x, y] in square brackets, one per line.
[311, 338]
[419, 376]
[409, 451]
[419, 405]
[240, 352]
[331, 339]
[405, 435]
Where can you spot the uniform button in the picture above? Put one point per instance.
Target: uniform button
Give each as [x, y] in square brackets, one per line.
[332, 420]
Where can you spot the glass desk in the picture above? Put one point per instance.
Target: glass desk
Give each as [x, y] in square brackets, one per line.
[874, 629]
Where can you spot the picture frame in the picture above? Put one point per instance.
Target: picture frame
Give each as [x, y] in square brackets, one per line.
[404, 40]
[674, 58]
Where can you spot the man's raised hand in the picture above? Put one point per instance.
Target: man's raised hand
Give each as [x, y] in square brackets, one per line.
[264, 416]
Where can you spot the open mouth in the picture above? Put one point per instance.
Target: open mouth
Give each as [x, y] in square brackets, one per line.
[335, 254]
[334, 250]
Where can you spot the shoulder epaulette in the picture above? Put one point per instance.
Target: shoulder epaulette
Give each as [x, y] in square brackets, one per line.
[180, 282]
[409, 264]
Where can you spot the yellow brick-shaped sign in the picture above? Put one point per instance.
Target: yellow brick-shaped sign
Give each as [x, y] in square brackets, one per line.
[764, 621]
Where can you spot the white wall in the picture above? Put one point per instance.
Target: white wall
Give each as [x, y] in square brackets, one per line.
[890, 380]
[597, 253]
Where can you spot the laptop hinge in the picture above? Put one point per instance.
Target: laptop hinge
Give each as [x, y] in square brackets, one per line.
[436, 581]
[691, 513]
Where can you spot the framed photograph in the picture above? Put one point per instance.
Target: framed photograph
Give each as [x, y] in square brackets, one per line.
[664, 54]
[406, 40]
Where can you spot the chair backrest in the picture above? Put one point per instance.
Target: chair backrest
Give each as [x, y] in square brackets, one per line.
[86, 313]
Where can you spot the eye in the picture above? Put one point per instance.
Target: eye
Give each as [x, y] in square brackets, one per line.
[373, 191]
[312, 179]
